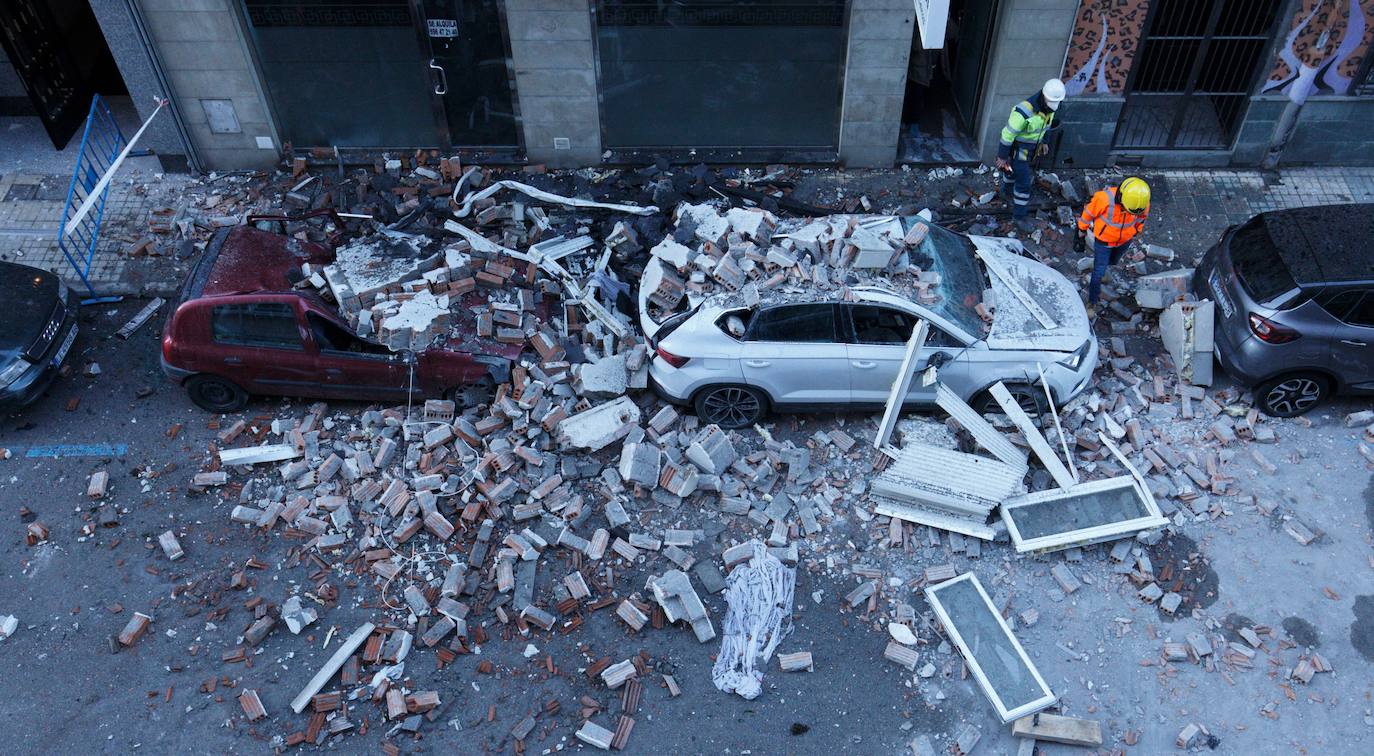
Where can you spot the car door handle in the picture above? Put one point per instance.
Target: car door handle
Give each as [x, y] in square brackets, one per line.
[333, 372]
[233, 361]
[864, 364]
[757, 363]
[1353, 343]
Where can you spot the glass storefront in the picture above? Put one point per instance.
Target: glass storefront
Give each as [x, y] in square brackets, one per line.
[709, 74]
[386, 73]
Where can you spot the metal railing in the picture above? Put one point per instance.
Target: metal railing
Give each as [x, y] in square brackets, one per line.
[1197, 66]
[101, 144]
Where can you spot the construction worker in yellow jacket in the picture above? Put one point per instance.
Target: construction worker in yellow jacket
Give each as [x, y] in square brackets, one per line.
[1022, 139]
[1114, 216]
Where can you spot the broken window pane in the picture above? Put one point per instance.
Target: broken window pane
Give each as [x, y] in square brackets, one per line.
[710, 73]
[1087, 510]
[990, 645]
[796, 323]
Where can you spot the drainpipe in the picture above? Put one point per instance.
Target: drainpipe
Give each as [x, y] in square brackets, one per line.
[174, 108]
[1283, 131]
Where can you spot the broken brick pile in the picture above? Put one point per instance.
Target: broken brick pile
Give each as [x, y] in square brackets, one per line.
[747, 255]
[453, 513]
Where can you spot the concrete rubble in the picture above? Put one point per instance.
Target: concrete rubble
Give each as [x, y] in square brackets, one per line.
[571, 491]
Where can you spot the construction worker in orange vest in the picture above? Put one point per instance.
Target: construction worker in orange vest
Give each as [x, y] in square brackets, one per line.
[1114, 216]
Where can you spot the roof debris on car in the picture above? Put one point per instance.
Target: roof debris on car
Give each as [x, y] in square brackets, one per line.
[570, 494]
[747, 256]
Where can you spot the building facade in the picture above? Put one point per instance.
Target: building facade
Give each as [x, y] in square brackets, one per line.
[862, 83]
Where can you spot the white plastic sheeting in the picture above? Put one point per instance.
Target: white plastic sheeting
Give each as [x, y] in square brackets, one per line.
[759, 597]
[465, 206]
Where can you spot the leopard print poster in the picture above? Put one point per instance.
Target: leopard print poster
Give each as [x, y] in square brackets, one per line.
[1106, 38]
[1324, 48]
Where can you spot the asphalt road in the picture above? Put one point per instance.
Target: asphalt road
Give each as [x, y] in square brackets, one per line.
[74, 592]
[69, 691]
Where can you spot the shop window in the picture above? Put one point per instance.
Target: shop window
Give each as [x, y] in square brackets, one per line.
[712, 74]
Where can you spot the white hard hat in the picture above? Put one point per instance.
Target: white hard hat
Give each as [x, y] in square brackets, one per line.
[1053, 91]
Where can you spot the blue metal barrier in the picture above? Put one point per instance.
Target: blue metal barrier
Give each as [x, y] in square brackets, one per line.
[101, 143]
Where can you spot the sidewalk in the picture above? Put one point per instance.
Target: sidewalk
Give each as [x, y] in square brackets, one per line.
[1190, 209]
[31, 209]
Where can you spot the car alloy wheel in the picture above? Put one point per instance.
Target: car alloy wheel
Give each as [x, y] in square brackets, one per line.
[1292, 396]
[730, 407]
[1026, 398]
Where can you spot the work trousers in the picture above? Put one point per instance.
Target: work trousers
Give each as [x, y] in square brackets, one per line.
[1019, 190]
[1103, 256]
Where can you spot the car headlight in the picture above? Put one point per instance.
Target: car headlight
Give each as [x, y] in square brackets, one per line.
[11, 374]
[1074, 360]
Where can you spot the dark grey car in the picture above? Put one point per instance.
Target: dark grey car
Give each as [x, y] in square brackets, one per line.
[1294, 293]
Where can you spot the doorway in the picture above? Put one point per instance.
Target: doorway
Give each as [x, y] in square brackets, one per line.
[944, 87]
[60, 58]
[1199, 61]
[387, 73]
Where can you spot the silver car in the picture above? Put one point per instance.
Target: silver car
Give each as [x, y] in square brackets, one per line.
[735, 364]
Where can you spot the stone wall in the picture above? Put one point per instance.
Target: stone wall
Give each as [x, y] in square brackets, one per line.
[1332, 131]
[205, 57]
[555, 80]
[140, 78]
[880, 33]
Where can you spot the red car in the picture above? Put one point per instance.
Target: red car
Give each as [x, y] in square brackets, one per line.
[239, 328]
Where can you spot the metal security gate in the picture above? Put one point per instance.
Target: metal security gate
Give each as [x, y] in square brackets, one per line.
[1197, 66]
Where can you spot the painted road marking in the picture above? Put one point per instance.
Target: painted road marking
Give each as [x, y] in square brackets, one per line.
[57, 451]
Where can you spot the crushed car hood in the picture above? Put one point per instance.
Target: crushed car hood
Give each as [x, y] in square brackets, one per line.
[1013, 324]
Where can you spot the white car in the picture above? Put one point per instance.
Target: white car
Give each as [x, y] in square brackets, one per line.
[735, 363]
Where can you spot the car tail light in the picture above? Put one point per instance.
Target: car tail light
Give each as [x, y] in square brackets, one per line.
[1270, 332]
[670, 358]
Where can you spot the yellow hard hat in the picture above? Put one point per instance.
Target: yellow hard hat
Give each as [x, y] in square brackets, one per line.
[1135, 195]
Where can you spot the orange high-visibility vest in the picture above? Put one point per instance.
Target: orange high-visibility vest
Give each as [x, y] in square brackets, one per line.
[1110, 222]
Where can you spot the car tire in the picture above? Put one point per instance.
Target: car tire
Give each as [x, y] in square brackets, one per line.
[479, 392]
[1030, 398]
[1291, 394]
[731, 406]
[215, 394]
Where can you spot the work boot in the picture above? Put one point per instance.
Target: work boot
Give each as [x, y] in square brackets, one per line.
[1092, 311]
[1024, 225]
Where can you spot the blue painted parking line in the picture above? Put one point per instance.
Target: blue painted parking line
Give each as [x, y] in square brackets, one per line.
[57, 451]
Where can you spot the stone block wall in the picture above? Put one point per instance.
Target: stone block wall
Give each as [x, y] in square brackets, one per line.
[555, 80]
[205, 55]
[880, 34]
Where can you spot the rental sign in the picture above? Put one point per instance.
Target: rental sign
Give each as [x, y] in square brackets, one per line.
[931, 17]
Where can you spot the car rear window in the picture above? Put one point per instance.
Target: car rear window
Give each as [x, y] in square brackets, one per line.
[267, 324]
[795, 323]
[1258, 263]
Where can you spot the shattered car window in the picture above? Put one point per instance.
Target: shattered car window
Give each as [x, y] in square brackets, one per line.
[961, 279]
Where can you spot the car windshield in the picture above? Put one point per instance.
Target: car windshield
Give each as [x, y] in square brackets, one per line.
[961, 276]
[1258, 263]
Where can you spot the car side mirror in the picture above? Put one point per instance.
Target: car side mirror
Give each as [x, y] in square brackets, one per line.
[939, 360]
